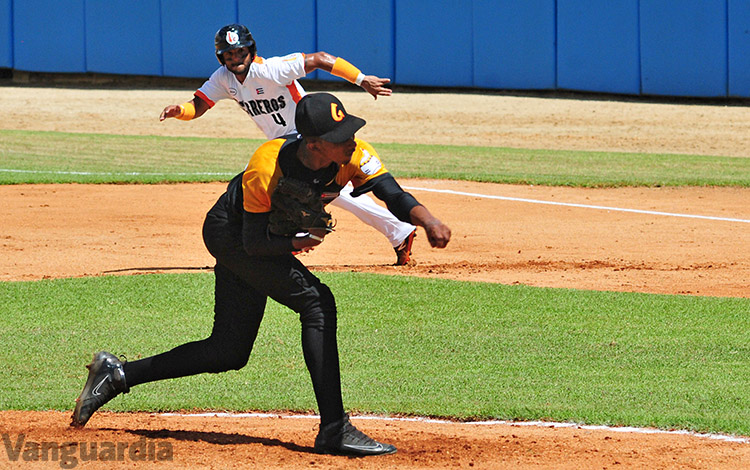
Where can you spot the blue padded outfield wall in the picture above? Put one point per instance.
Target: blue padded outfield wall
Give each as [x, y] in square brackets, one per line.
[637, 47]
[6, 34]
[598, 46]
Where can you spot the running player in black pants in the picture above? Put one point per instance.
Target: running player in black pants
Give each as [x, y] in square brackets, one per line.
[252, 265]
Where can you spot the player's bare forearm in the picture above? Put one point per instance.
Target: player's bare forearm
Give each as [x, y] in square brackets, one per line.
[437, 232]
[325, 61]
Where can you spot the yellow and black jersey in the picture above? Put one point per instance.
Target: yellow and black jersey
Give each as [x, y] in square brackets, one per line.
[277, 158]
[246, 204]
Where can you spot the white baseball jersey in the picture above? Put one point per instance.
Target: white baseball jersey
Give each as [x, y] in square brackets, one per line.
[269, 93]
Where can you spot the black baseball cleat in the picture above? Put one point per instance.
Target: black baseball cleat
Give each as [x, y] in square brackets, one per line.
[342, 438]
[106, 381]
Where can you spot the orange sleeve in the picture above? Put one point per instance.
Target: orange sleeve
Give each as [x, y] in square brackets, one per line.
[261, 177]
[202, 96]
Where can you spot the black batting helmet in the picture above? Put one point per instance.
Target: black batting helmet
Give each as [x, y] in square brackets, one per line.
[233, 36]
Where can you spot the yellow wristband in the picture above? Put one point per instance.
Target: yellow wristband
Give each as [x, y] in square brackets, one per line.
[342, 68]
[187, 111]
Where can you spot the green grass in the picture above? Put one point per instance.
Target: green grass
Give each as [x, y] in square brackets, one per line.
[424, 347]
[56, 157]
[563, 167]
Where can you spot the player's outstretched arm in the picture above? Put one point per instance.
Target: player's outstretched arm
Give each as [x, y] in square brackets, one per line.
[186, 111]
[342, 68]
[406, 208]
[437, 232]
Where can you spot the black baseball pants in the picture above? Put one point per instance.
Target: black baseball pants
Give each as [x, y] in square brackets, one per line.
[243, 284]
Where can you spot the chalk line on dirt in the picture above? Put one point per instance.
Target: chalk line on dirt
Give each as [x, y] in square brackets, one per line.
[410, 188]
[570, 204]
[543, 424]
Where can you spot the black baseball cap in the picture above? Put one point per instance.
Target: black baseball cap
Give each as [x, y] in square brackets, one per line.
[322, 115]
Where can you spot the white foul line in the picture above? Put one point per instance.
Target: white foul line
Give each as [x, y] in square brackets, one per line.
[543, 424]
[411, 188]
[570, 204]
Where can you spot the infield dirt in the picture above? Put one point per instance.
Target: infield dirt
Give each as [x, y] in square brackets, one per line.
[80, 230]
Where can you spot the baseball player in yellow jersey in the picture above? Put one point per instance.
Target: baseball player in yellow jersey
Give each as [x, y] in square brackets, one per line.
[268, 90]
[252, 265]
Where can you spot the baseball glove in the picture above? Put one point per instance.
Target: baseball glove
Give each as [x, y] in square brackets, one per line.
[297, 207]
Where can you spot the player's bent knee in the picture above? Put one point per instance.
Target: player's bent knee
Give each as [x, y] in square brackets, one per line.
[224, 355]
[327, 301]
[322, 313]
[318, 319]
[227, 364]
[235, 362]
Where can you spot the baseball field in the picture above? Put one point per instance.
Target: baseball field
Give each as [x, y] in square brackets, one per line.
[591, 311]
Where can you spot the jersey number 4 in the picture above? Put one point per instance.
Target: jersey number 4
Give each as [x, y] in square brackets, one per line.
[258, 107]
[278, 119]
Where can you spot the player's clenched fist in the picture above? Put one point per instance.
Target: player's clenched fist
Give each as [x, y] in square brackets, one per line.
[437, 232]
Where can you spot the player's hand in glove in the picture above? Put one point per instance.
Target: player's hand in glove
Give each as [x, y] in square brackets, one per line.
[297, 207]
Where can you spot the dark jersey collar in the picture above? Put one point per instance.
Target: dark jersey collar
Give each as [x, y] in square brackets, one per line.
[323, 179]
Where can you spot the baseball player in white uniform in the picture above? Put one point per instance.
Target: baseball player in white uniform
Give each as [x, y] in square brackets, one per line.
[268, 90]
